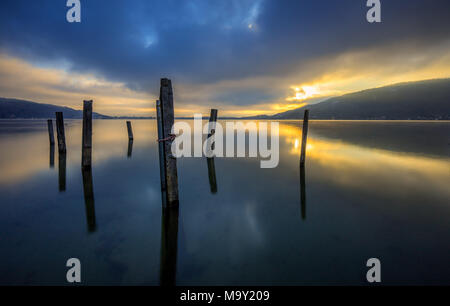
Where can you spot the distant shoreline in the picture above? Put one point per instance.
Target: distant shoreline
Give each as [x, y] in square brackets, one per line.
[243, 119]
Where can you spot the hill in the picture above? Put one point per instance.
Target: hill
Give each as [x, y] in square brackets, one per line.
[21, 109]
[424, 100]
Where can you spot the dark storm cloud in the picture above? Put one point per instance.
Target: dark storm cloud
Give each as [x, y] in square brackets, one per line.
[205, 41]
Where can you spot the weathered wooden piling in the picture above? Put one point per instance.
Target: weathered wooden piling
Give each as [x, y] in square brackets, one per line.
[86, 160]
[212, 120]
[170, 162]
[304, 138]
[212, 128]
[51, 135]
[130, 131]
[162, 163]
[169, 246]
[210, 153]
[89, 202]
[60, 132]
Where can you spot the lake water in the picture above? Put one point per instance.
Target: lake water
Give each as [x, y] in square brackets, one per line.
[370, 189]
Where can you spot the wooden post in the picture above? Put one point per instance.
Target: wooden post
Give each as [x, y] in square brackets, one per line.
[86, 160]
[304, 138]
[162, 163]
[168, 118]
[51, 136]
[210, 148]
[130, 131]
[212, 128]
[60, 132]
[89, 202]
[212, 119]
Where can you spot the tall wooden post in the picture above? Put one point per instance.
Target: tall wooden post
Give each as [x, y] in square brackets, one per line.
[170, 162]
[130, 131]
[212, 128]
[162, 163]
[60, 132]
[304, 138]
[213, 120]
[210, 153]
[86, 160]
[51, 135]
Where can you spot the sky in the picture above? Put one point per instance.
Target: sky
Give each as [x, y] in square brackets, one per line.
[243, 57]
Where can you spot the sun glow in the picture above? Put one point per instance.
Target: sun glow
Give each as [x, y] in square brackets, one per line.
[304, 92]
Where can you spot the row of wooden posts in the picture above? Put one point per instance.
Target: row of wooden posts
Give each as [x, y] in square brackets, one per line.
[168, 172]
[165, 121]
[86, 160]
[168, 163]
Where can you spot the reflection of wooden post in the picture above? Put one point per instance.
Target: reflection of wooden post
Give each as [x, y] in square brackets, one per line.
[170, 162]
[52, 156]
[169, 246]
[130, 148]
[212, 175]
[304, 138]
[60, 132]
[86, 160]
[303, 192]
[51, 135]
[89, 202]
[62, 171]
[130, 131]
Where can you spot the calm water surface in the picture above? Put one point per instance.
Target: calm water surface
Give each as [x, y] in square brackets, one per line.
[370, 189]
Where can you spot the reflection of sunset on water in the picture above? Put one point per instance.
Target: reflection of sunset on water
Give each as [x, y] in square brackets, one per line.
[360, 166]
[27, 155]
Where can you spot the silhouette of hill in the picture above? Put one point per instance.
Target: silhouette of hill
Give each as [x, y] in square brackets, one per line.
[423, 100]
[22, 109]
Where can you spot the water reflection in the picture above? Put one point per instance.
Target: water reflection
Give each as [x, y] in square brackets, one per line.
[397, 198]
[366, 168]
[302, 192]
[130, 148]
[212, 175]
[169, 245]
[89, 202]
[52, 156]
[62, 158]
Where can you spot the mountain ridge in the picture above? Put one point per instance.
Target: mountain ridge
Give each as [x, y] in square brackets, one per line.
[11, 108]
[421, 100]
